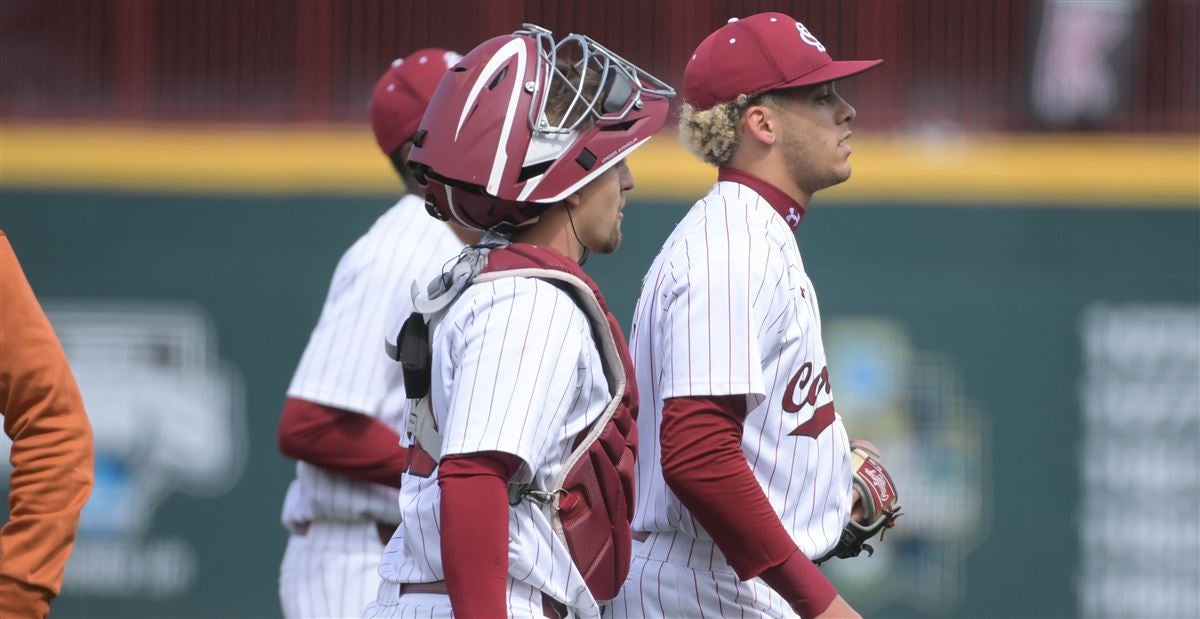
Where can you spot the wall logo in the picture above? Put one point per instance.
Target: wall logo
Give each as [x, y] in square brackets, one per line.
[167, 416]
[1139, 399]
[910, 403]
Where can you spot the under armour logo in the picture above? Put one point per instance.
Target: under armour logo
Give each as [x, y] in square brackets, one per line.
[808, 37]
[793, 217]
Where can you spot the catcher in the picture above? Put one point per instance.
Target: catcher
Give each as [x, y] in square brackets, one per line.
[518, 489]
[747, 476]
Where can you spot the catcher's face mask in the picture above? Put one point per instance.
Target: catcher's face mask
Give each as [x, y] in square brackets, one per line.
[621, 89]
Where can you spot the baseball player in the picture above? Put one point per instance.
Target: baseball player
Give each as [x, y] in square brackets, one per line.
[526, 138]
[346, 402]
[745, 475]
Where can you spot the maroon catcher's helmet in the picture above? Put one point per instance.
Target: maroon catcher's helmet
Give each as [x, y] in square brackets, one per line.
[491, 156]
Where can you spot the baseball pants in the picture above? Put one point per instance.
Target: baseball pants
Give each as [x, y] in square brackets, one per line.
[675, 576]
[524, 602]
[331, 570]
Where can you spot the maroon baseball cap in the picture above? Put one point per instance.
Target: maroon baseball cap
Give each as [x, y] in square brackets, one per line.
[767, 51]
[401, 95]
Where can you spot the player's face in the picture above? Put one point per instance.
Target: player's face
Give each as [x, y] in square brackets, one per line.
[812, 136]
[598, 217]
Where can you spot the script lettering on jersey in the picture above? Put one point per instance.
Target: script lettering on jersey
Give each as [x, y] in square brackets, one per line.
[822, 416]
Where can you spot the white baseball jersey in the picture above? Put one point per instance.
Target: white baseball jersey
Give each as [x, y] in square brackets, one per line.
[515, 370]
[345, 366]
[727, 309]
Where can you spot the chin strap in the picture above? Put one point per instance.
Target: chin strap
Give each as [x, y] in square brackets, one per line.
[587, 251]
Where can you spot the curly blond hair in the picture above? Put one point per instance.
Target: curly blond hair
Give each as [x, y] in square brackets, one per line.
[713, 134]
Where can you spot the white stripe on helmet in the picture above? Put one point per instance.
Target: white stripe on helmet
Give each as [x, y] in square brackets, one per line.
[514, 48]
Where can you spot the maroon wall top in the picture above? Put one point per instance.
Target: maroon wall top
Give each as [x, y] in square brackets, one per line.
[949, 62]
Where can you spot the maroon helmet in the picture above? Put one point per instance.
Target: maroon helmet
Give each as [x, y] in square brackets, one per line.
[491, 156]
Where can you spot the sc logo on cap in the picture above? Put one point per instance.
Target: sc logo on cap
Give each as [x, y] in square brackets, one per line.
[808, 37]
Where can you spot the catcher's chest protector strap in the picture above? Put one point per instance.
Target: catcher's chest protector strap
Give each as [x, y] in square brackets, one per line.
[591, 499]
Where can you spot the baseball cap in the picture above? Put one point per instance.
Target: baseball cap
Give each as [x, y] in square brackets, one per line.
[401, 94]
[767, 51]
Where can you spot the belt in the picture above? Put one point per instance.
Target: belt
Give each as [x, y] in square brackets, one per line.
[385, 530]
[551, 608]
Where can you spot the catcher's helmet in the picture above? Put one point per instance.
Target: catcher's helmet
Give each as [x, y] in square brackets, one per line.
[491, 155]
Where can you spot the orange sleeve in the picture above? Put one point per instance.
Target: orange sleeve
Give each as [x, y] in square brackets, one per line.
[51, 462]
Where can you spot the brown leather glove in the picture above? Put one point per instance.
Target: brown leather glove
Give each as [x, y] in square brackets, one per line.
[880, 505]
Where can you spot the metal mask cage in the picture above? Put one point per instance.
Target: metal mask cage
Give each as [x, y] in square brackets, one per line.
[620, 90]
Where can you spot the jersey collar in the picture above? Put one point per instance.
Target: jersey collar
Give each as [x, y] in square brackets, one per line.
[788, 208]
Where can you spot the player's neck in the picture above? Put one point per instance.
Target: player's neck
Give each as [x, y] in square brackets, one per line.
[767, 166]
[553, 231]
[464, 235]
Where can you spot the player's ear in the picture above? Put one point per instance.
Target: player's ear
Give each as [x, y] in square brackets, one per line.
[572, 201]
[759, 123]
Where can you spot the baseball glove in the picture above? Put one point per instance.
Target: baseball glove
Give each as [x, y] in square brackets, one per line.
[881, 505]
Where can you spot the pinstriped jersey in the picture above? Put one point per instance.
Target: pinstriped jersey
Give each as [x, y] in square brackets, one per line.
[515, 370]
[727, 308]
[344, 364]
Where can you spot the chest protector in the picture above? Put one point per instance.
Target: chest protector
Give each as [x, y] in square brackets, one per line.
[591, 500]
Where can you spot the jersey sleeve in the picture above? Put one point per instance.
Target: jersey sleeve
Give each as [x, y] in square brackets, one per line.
[52, 450]
[712, 314]
[516, 369]
[344, 364]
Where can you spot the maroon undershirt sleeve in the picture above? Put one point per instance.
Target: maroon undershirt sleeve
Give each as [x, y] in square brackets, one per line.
[802, 584]
[705, 467]
[474, 533]
[348, 443]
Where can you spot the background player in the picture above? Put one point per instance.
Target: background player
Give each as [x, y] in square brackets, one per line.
[745, 465]
[52, 451]
[516, 373]
[346, 401]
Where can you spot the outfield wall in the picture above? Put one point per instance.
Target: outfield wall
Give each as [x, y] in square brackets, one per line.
[1031, 367]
